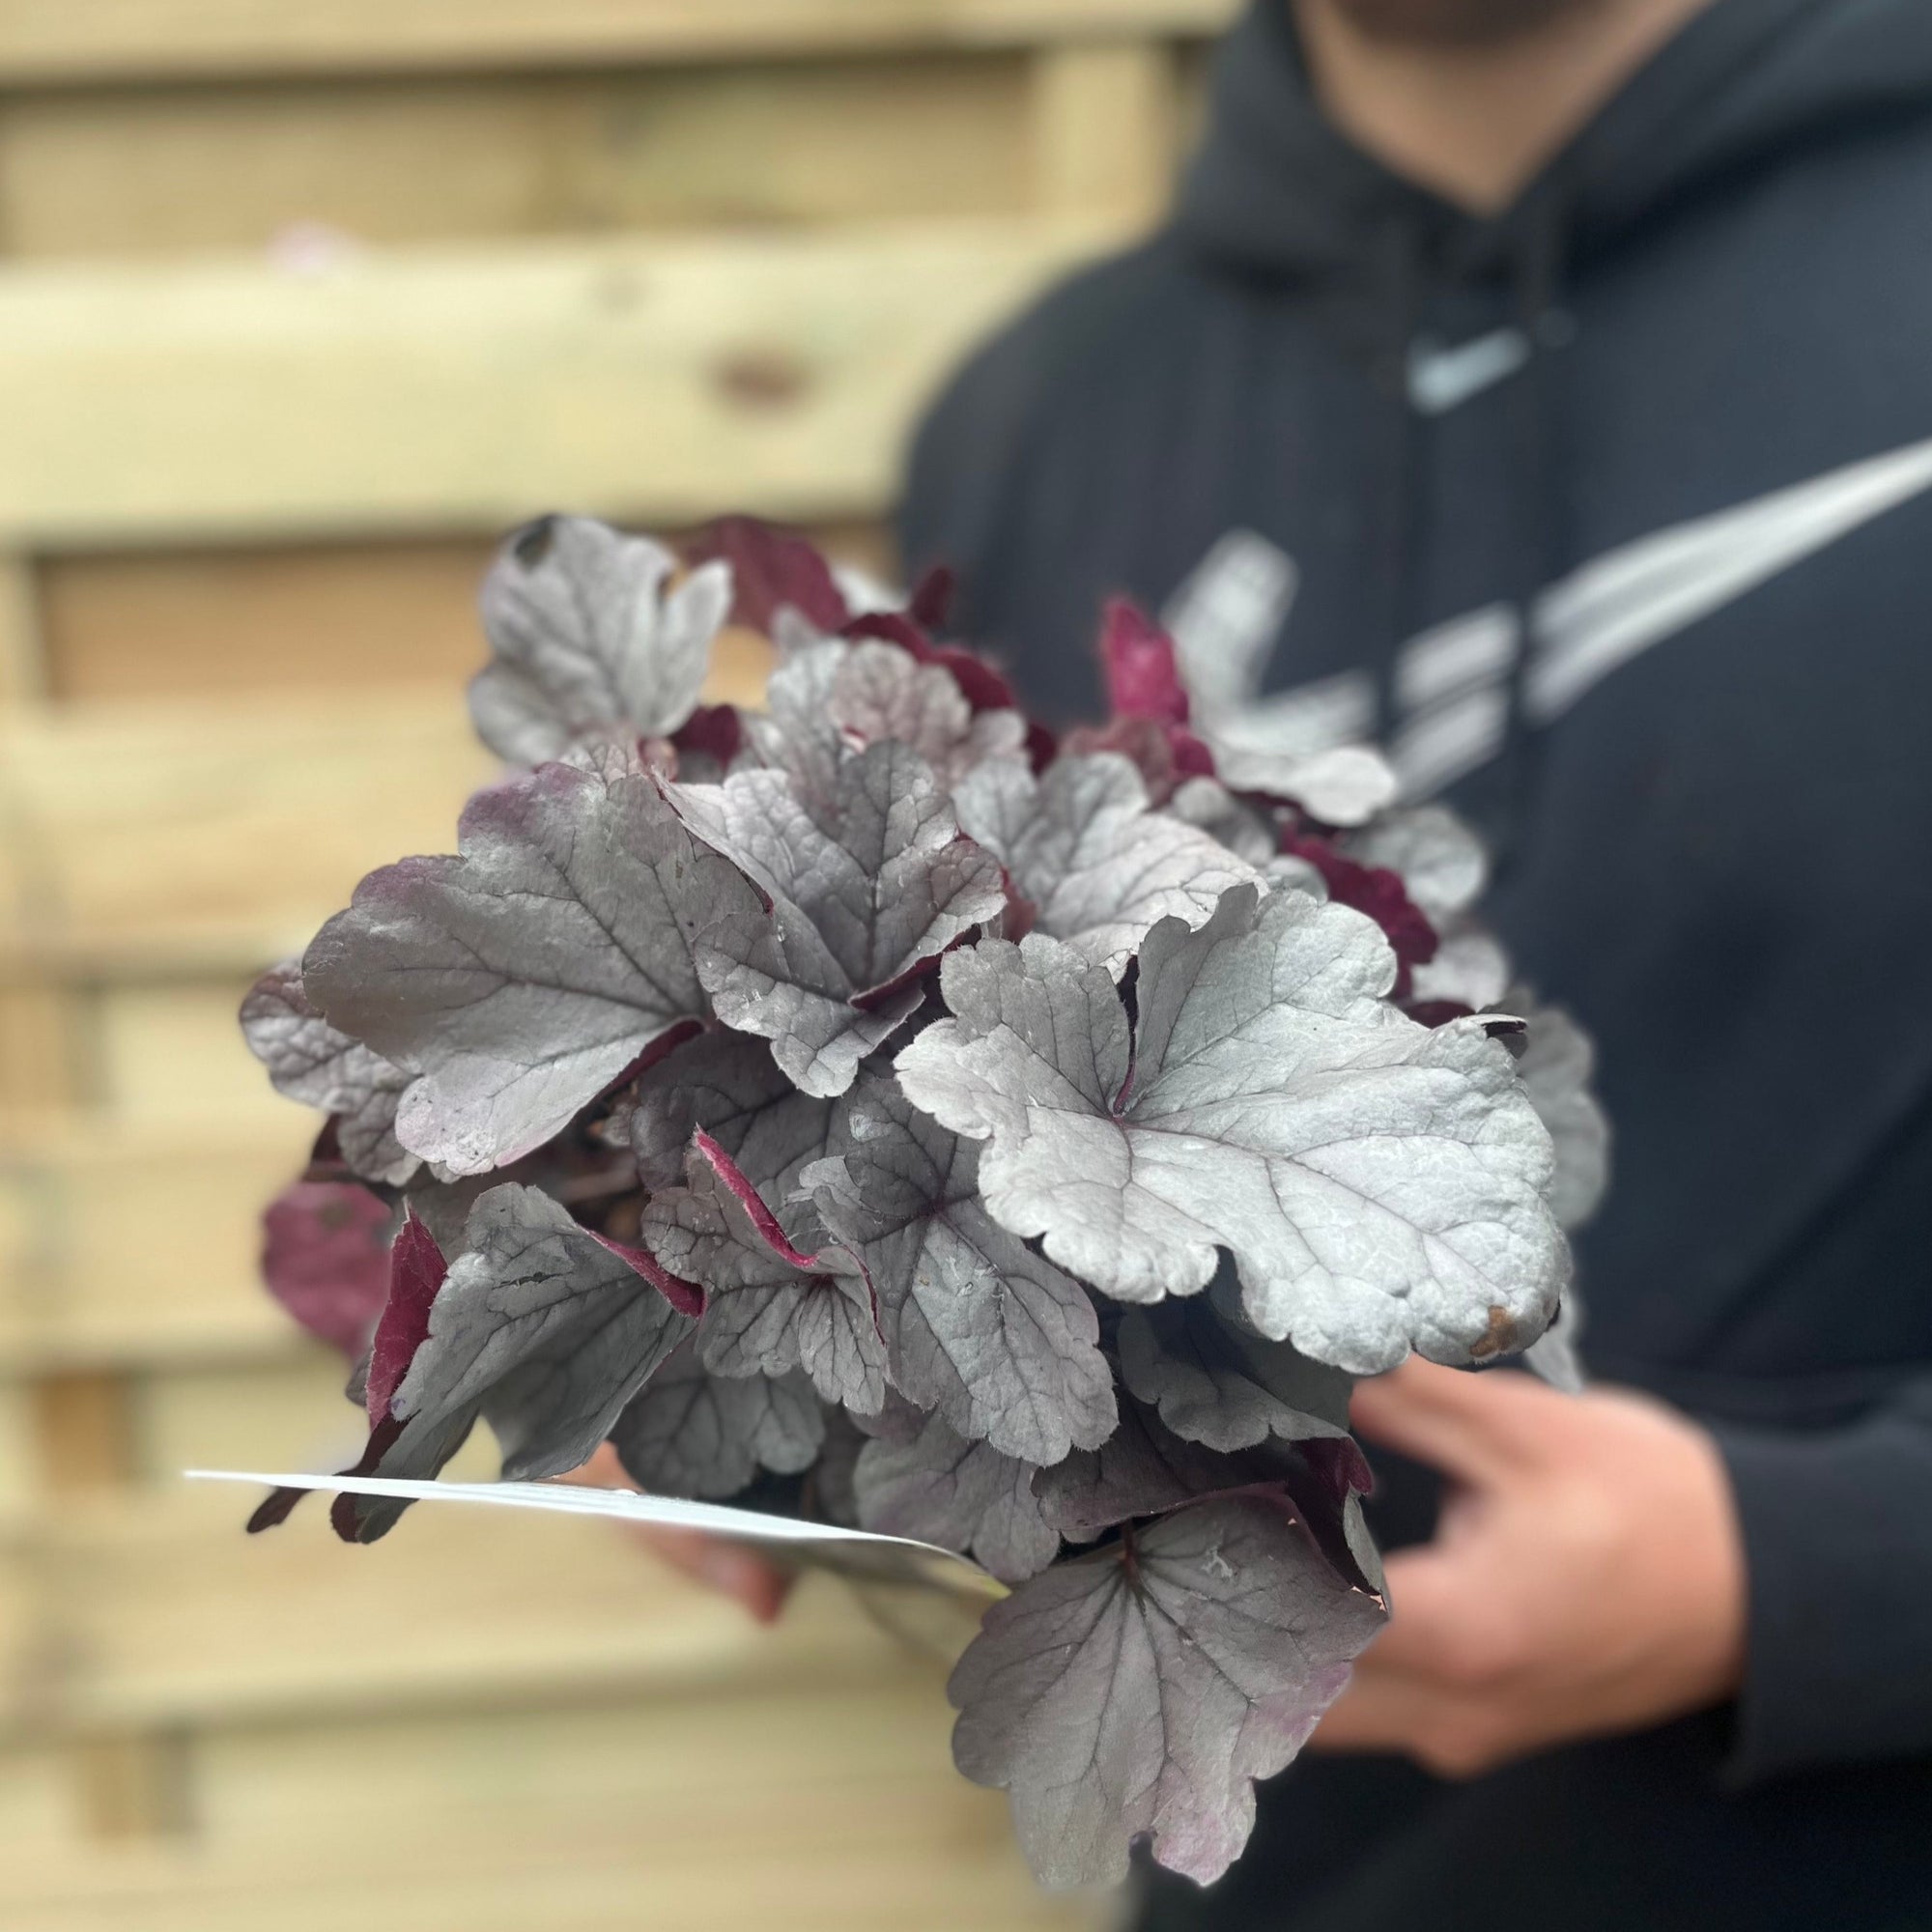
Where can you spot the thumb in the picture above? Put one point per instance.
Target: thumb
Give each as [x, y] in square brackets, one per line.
[1476, 1428]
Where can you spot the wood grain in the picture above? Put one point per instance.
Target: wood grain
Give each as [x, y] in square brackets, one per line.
[63, 41]
[298, 167]
[466, 390]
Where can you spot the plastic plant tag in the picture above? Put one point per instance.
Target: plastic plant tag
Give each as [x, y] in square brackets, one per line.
[859, 1554]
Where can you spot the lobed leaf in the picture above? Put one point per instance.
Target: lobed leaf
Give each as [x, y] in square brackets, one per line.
[771, 1308]
[865, 889]
[691, 1432]
[1002, 1343]
[1380, 1185]
[1082, 844]
[936, 1486]
[1140, 1691]
[542, 1327]
[1216, 1383]
[592, 639]
[520, 980]
[310, 1062]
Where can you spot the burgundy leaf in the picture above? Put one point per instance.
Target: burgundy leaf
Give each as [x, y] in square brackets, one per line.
[772, 569]
[325, 1258]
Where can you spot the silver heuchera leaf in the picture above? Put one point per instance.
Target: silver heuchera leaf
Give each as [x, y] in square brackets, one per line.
[1555, 1065]
[1381, 1184]
[1226, 820]
[519, 980]
[689, 1433]
[1143, 1688]
[1345, 786]
[1082, 844]
[865, 890]
[589, 641]
[1142, 1470]
[1443, 868]
[881, 693]
[729, 1084]
[938, 1487]
[543, 1327]
[769, 1308]
[1438, 858]
[310, 1062]
[993, 1336]
[1217, 1384]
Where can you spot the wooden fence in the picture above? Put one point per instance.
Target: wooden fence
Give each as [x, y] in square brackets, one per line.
[299, 305]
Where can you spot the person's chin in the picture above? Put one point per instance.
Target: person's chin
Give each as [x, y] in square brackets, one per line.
[1451, 23]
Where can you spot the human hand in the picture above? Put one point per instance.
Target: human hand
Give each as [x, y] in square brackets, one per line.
[728, 1568]
[1587, 1576]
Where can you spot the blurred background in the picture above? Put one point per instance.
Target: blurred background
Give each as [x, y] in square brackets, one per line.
[300, 307]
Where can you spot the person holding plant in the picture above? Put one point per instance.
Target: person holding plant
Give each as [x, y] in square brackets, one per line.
[1541, 388]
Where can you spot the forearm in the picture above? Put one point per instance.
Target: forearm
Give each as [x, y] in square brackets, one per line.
[1837, 1534]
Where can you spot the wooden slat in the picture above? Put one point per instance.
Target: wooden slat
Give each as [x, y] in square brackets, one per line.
[120, 1250]
[22, 668]
[469, 389]
[1104, 120]
[344, 617]
[172, 1617]
[181, 169]
[47, 41]
[222, 833]
[253, 818]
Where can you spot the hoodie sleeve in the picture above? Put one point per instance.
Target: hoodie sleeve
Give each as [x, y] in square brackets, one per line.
[1838, 1533]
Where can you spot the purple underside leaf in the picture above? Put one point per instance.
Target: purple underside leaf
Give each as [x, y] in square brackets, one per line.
[770, 1307]
[1082, 844]
[1218, 1384]
[413, 1274]
[1440, 861]
[865, 889]
[772, 570]
[592, 640]
[938, 1487]
[1143, 1688]
[1002, 1343]
[325, 1258]
[541, 1328]
[310, 1062]
[519, 980]
[691, 1432]
[1380, 1185]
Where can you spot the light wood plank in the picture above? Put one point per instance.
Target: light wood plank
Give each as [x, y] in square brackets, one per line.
[354, 618]
[296, 167]
[119, 1250]
[468, 390]
[1104, 129]
[175, 1618]
[46, 41]
[190, 817]
[23, 676]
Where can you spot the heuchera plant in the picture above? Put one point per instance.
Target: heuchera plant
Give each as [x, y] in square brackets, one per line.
[1050, 1128]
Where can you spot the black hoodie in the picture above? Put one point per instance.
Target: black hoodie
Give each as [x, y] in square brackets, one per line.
[1671, 417]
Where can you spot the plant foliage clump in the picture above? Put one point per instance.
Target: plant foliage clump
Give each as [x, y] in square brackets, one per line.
[870, 1102]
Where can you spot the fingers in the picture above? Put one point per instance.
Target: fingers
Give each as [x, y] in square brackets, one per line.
[728, 1568]
[1429, 1609]
[1473, 1426]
